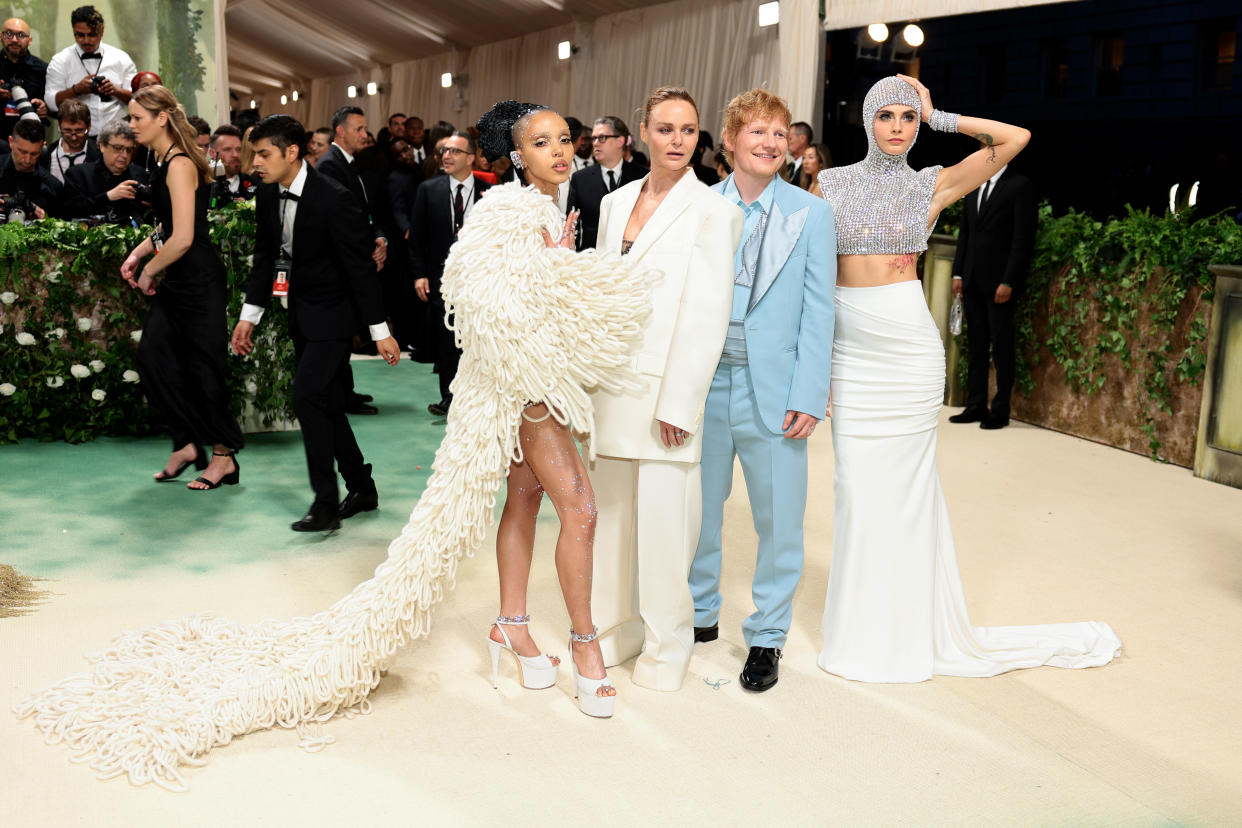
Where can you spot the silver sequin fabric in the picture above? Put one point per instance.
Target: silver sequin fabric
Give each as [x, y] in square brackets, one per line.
[880, 205]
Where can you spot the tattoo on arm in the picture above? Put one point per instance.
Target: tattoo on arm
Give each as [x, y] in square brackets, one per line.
[988, 142]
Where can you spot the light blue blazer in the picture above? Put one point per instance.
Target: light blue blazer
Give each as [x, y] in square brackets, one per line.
[789, 320]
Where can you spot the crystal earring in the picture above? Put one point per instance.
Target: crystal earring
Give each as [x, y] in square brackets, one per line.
[516, 159]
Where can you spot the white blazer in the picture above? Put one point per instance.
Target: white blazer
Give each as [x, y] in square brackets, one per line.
[688, 245]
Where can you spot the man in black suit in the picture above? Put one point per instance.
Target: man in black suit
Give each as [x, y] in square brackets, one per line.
[440, 207]
[107, 187]
[231, 183]
[587, 188]
[20, 171]
[993, 257]
[312, 246]
[800, 137]
[75, 146]
[349, 137]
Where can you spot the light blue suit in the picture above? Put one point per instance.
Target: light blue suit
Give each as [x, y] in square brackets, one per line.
[788, 325]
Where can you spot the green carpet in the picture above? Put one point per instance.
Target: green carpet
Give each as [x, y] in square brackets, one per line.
[94, 506]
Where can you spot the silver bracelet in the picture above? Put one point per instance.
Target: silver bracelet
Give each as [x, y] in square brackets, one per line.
[942, 121]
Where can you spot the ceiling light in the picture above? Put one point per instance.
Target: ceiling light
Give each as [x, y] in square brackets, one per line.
[372, 88]
[913, 35]
[769, 14]
[446, 80]
[564, 50]
[284, 99]
[878, 32]
[253, 105]
[351, 91]
[295, 94]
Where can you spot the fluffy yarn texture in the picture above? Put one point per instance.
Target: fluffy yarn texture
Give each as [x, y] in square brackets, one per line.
[496, 127]
[535, 324]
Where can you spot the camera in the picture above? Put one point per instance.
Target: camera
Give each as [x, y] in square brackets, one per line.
[15, 208]
[97, 83]
[142, 192]
[21, 102]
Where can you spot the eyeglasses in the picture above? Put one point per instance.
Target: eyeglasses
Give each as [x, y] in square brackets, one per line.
[596, 139]
[74, 132]
[11, 35]
[452, 151]
[122, 149]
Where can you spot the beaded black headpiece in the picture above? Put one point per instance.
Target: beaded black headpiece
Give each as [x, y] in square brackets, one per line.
[496, 127]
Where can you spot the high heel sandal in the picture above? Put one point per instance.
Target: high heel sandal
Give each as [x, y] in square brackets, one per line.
[199, 461]
[586, 689]
[230, 479]
[538, 672]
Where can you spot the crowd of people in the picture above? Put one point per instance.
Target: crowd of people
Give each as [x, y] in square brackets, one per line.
[786, 294]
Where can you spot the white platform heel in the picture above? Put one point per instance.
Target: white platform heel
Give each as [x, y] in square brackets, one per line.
[586, 689]
[537, 672]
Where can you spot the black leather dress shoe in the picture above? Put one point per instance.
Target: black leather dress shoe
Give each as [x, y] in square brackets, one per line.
[322, 517]
[357, 406]
[705, 634]
[761, 668]
[970, 415]
[356, 502]
[441, 408]
[364, 397]
[994, 421]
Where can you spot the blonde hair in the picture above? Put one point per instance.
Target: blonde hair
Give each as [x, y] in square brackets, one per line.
[156, 99]
[247, 152]
[746, 107]
[667, 93]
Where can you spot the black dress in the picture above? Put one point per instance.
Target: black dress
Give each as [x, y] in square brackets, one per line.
[184, 344]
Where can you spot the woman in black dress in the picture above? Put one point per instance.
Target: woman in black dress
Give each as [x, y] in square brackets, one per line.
[183, 347]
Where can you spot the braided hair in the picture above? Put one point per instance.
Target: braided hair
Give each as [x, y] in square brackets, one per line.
[498, 126]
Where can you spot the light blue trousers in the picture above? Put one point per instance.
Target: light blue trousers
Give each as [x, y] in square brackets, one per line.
[775, 469]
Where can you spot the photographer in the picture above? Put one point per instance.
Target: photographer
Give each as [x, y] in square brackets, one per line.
[20, 72]
[93, 71]
[225, 151]
[21, 178]
[112, 186]
[74, 147]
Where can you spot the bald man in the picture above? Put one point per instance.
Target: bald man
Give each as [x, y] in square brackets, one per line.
[19, 68]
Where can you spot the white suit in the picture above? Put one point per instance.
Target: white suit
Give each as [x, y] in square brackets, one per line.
[649, 496]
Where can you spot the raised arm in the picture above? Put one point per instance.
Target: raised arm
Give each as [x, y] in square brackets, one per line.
[999, 144]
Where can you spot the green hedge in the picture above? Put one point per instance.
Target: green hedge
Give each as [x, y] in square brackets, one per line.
[69, 328]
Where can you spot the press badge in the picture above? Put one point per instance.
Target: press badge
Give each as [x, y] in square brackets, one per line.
[284, 267]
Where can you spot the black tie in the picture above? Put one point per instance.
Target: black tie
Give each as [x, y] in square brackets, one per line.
[459, 210]
[288, 195]
[987, 191]
[612, 181]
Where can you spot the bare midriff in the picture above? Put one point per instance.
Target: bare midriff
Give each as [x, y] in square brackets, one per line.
[874, 270]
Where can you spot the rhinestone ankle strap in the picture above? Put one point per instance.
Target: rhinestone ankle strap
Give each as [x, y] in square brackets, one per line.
[513, 620]
[583, 639]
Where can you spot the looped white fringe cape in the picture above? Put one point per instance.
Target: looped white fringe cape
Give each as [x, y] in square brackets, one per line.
[535, 324]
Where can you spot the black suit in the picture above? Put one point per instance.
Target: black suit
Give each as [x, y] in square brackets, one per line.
[246, 187]
[431, 236]
[994, 248]
[334, 165]
[39, 186]
[86, 193]
[91, 150]
[587, 189]
[333, 290]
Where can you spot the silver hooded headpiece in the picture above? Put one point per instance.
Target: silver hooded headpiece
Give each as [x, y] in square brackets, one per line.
[880, 205]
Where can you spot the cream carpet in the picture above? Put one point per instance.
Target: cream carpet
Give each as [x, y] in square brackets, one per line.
[1049, 528]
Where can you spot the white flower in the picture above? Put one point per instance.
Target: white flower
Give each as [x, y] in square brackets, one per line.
[53, 276]
[249, 265]
[130, 376]
[55, 382]
[136, 336]
[25, 338]
[7, 389]
[8, 297]
[98, 395]
[251, 388]
[79, 371]
[59, 333]
[96, 365]
[85, 324]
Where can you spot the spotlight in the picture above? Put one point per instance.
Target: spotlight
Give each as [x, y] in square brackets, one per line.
[769, 14]
[564, 50]
[372, 88]
[351, 91]
[878, 32]
[295, 94]
[446, 80]
[253, 105]
[913, 35]
[284, 99]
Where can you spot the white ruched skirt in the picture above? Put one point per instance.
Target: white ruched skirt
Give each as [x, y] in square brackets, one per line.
[895, 610]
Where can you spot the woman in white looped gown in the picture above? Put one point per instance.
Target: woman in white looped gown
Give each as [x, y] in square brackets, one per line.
[895, 610]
